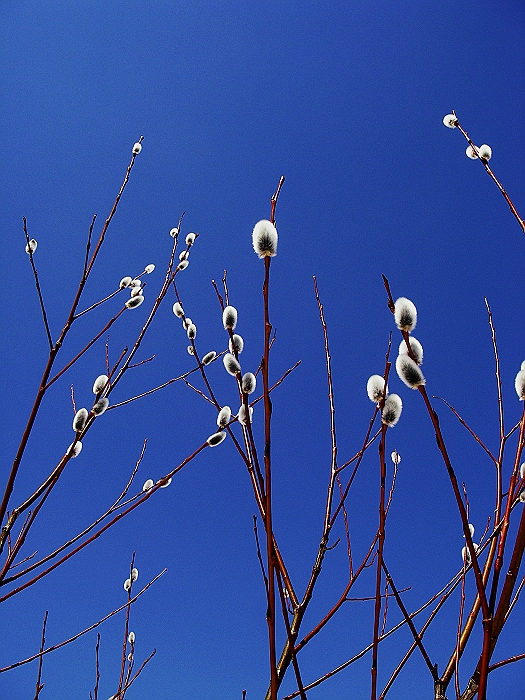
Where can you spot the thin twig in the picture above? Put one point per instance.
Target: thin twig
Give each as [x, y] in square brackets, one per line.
[39, 684]
[37, 284]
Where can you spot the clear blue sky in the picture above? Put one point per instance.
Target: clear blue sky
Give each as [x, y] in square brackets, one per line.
[346, 100]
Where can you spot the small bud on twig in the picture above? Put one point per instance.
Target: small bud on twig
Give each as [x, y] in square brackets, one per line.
[134, 302]
[74, 449]
[137, 148]
[125, 282]
[149, 269]
[31, 246]
[209, 357]
[148, 484]
[241, 416]
[485, 152]
[190, 239]
[177, 310]
[183, 264]
[450, 120]
[174, 232]
[191, 332]
[471, 153]
[216, 439]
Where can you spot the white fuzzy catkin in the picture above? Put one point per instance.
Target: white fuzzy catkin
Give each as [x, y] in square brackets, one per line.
[184, 255]
[522, 497]
[216, 439]
[237, 343]
[74, 449]
[127, 584]
[395, 457]
[134, 577]
[485, 152]
[137, 148]
[165, 484]
[522, 471]
[31, 246]
[186, 323]
[471, 153]
[405, 314]
[177, 310]
[183, 264]
[149, 269]
[231, 364]
[450, 120]
[125, 282]
[408, 371]
[135, 282]
[134, 302]
[375, 388]
[80, 419]
[131, 638]
[191, 350]
[101, 406]
[523, 365]
[191, 331]
[416, 347]
[148, 484]
[249, 382]
[264, 238]
[229, 317]
[519, 383]
[135, 291]
[100, 383]
[224, 416]
[209, 357]
[174, 232]
[190, 238]
[241, 416]
[392, 410]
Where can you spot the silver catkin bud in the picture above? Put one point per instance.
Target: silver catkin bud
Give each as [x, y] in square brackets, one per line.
[248, 383]
[177, 310]
[231, 364]
[80, 419]
[216, 439]
[134, 302]
[405, 314]
[236, 343]
[209, 357]
[415, 346]
[408, 371]
[264, 239]
[229, 317]
[224, 416]
[392, 410]
[100, 383]
[519, 383]
[101, 406]
[375, 388]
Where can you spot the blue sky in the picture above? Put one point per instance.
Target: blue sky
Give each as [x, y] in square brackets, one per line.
[346, 100]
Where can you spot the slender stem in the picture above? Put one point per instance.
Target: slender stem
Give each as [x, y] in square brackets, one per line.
[38, 290]
[39, 684]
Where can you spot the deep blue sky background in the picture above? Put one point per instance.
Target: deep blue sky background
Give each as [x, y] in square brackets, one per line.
[346, 100]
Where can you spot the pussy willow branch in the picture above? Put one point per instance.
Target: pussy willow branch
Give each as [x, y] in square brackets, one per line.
[84, 631]
[38, 290]
[126, 626]
[465, 425]
[500, 187]
[53, 353]
[444, 592]
[39, 684]
[144, 497]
